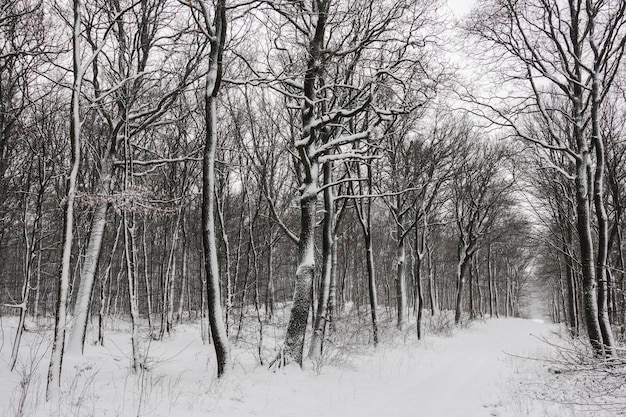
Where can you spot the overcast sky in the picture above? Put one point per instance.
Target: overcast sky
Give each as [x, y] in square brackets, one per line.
[460, 7]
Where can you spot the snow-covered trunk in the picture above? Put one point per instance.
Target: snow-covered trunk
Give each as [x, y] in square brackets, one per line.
[585, 235]
[37, 299]
[130, 252]
[296, 330]
[401, 280]
[76, 340]
[172, 270]
[269, 289]
[432, 289]
[216, 319]
[420, 293]
[371, 286]
[227, 271]
[420, 253]
[621, 264]
[58, 343]
[332, 294]
[183, 276]
[309, 163]
[462, 268]
[328, 229]
[602, 219]
[490, 280]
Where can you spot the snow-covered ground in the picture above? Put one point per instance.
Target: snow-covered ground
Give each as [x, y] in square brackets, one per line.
[499, 367]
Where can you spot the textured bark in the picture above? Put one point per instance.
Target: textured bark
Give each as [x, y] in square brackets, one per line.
[309, 164]
[328, 229]
[603, 224]
[332, 295]
[585, 236]
[296, 329]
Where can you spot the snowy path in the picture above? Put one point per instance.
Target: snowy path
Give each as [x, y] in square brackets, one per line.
[469, 375]
[472, 374]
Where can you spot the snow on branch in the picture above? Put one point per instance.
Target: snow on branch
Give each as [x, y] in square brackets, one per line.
[338, 114]
[381, 195]
[348, 155]
[341, 140]
[160, 161]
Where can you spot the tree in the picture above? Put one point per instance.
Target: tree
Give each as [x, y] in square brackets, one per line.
[133, 88]
[575, 48]
[479, 191]
[58, 344]
[215, 31]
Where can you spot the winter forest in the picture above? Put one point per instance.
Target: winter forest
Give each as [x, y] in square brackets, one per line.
[299, 207]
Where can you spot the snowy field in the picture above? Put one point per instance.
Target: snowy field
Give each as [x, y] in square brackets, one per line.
[500, 367]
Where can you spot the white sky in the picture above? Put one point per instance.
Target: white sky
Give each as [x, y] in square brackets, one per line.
[460, 7]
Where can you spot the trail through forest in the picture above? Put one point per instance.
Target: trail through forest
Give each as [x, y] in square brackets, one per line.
[500, 367]
[495, 368]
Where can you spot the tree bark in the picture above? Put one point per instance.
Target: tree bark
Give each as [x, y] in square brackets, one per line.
[58, 344]
[216, 319]
[603, 224]
[76, 340]
[328, 231]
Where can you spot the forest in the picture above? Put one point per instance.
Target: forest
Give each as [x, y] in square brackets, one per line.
[314, 167]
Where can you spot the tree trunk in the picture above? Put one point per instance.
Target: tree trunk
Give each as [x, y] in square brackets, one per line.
[401, 281]
[131, 275]
[58, 344]
[216, 319]
[296, 329]
[432, 289]
[471, 276]
[76, 341]
[461, 273]
[328, 230]
[602, 219]
[146, 277]
[583, 215]
[269, 291]
[332, 295]
[371, 282]
[490, 280]
[184, 284]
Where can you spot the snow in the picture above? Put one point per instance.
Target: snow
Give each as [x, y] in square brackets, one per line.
[491, 368]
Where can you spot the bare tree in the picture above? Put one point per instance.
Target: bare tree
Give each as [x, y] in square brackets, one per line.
[129, 99]
[577, 49]
[479, 190]
[212, 23]
[58, 344]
